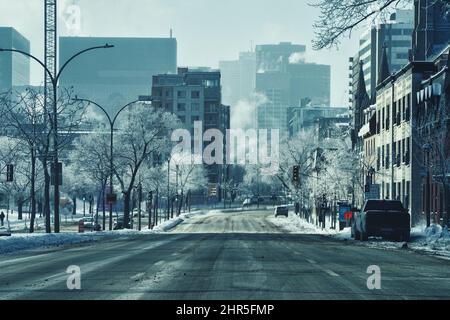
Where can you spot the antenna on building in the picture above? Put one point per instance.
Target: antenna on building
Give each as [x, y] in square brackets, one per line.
[171, 33]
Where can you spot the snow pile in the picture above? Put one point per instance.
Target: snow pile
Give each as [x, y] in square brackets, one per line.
[295, 224]
[433, 239]
[345, 234]
[32, 241]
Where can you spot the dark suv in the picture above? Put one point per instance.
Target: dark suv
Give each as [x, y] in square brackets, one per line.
[382, 218]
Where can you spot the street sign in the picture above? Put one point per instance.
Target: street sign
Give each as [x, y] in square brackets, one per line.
[374, 192]
[111, 198]
[348, 215]
[212, 190]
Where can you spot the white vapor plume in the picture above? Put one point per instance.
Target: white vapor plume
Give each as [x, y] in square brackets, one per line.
[296, 58]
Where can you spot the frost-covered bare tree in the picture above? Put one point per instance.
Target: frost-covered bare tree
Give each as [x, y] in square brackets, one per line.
[143, 134]
[191, 175]
[89, 167]
[15, 152]
[25, 117]
[339, 18]
[297, 152]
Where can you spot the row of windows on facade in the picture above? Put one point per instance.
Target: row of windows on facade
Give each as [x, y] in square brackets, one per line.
[181, 94]
[194, 107]
[400, 191]
[401, 153]
[401, 112]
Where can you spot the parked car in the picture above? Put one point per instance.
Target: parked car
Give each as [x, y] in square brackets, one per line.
[5, 232]
[90, 224]
[382, 218]
[281, 211]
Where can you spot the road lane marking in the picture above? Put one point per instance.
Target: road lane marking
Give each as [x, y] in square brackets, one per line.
[327, 271]
[331, 273]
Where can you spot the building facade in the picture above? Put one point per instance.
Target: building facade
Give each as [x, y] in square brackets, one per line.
[433, 126]
[14, 67]
[116, 76]
[195, 96]
[396, 36]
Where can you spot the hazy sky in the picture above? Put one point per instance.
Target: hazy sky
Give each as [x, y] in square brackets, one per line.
[207, 31]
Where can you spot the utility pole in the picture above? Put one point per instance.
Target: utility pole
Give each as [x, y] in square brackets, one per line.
[140, 206]
[168, 187]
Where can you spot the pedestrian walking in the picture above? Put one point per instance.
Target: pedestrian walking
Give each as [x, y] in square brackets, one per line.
[2, 218]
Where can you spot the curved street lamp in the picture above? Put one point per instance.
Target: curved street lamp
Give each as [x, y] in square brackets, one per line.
[54, 78]
[112, 122]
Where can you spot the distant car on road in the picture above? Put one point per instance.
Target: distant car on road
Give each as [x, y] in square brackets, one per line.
[5, 232]
[281, 211]
[382, 218]
[90, 224]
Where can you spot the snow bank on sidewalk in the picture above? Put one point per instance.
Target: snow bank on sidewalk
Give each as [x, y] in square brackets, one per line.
[434, 239]
[295, 224]
[31, 241]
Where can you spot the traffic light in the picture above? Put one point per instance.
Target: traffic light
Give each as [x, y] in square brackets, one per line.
[296, 174]
[9, 173]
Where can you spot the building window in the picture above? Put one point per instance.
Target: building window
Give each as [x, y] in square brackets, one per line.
[182, 119]
[181, 94]
[378, 122]
[387, 157]
[382, 117]
[404, 108]
[408, 108]
[181, 107]
[408, 151]
[195, 107]
[210, 83]
[378, 159]
[388, 120]
[195, 95]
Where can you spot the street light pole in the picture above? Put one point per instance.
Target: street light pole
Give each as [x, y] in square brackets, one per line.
[112, 122]
[54, 78]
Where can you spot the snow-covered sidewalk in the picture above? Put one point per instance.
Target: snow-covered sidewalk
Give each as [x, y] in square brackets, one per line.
[434, 240]
[294, 224]
[23, 241]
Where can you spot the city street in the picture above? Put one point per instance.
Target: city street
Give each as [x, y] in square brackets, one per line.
[238, 255]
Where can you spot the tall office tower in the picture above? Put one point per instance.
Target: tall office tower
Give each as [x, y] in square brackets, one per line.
[119, 75]
[238, 78]
[14, 67]
[276, 57]
[396, 36]
[285, 79]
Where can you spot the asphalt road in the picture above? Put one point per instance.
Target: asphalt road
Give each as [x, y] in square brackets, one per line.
[227, 256]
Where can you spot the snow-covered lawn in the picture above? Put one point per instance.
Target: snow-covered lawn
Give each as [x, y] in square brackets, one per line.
[434, 240]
